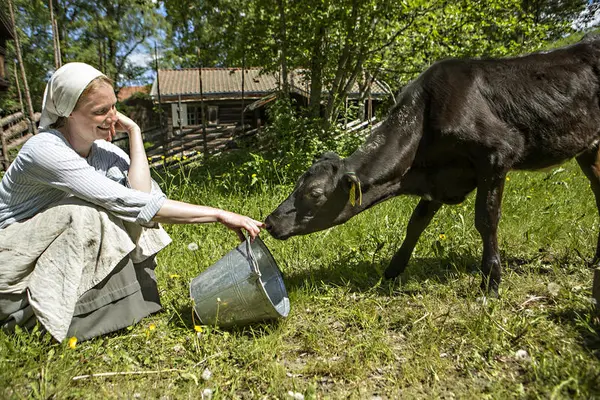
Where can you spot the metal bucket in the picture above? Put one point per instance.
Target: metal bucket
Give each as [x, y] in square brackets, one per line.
[244, 286]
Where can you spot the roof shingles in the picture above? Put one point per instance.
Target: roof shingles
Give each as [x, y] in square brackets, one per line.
[228, 82]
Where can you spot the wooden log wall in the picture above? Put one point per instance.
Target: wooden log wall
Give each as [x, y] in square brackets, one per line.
[15, 130]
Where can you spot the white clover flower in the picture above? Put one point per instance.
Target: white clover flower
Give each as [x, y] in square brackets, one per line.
[207, 394]
[553, 289]
[193, 246]
[522, 355]
[206, 374]
[295, 395]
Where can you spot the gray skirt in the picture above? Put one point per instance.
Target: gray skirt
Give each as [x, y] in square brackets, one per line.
[123, 298]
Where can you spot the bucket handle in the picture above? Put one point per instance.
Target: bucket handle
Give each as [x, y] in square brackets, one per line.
[253, 262]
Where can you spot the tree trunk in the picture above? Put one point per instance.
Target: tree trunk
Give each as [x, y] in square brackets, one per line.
[339, 82]
[22, 67]
[316, 73]
[283, 48]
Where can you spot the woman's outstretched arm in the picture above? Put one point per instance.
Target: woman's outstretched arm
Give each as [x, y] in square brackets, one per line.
[177, 212]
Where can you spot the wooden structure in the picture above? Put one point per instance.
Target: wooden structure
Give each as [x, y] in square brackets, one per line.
[6, 33]
[229, 95]
[15, 130]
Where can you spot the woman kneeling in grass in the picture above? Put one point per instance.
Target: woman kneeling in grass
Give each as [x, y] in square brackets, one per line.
[79, 217]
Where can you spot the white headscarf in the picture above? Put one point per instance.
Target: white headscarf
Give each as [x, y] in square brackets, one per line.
[63, 90]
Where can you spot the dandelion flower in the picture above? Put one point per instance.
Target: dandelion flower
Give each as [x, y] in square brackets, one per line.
[508, 178]
[73, 342]
[254, 175]
[162, 157]
[198, 328]
[193, 246]
[442, 236]
[152, 327]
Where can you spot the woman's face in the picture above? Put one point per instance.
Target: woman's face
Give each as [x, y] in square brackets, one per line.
[95, 115]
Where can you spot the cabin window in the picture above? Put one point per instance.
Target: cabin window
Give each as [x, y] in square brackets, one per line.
[194, 115]
[213, 115]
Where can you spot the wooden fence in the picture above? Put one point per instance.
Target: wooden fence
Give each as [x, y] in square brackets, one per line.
[186, 145]
[163, 148]
[15, 130]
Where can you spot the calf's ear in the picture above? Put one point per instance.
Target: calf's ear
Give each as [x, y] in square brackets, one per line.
[330, 155]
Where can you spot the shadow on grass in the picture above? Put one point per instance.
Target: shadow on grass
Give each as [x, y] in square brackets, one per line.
[362, 276]
[586, 321]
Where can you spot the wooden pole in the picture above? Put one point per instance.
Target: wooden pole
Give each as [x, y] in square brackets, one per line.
[20, 60]
[202, 113]
[158, 87]
[180, 134]
[596, 288]
[19, 88]
[55, 37]
[243, 84]
[5, 158]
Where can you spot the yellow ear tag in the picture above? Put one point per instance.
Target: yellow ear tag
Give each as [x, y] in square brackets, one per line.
[352, 194]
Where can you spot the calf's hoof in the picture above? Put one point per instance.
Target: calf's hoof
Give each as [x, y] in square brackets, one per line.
[489, 289]
[393, 271]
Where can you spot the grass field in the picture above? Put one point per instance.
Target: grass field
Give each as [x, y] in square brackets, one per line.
[351, 334]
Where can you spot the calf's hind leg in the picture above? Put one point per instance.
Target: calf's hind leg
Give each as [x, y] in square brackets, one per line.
[590, 165]
[420, 218]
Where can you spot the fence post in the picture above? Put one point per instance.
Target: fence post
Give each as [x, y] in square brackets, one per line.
[5, 158]
[596, 288]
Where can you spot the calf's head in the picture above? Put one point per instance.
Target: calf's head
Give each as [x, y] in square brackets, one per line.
[324, 196]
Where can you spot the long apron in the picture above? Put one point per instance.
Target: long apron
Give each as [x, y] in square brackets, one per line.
[121, 261]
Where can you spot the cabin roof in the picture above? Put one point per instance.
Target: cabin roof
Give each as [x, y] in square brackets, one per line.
[227, 83]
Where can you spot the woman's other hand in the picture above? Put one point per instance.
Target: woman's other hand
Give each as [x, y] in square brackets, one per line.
[237, 222]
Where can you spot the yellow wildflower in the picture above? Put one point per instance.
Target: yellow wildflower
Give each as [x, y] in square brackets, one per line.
[152, 327]
[198, 328]
[442, 236]
[174, 276]
[73, 342]
[508, 178]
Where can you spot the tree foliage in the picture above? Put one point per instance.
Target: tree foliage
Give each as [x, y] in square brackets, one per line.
[337, 44]
[104, 33]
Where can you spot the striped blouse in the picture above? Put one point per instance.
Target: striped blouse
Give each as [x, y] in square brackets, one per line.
[47, 169]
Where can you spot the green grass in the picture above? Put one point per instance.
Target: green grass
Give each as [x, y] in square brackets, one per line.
[351, 334]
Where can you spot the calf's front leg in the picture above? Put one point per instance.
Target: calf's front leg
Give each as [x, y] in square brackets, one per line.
[487, 216]
[419, 220]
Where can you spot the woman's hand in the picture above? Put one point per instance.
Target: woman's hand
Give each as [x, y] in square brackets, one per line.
[236, 222]
[124, 124]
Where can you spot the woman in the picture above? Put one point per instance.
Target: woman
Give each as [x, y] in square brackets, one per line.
[79, 217]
